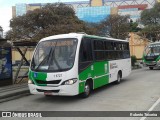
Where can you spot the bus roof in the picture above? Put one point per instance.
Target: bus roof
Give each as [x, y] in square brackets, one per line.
[77, 35]
[154, 43]
[108, 38]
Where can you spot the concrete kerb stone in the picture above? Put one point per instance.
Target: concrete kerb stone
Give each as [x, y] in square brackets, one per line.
[13, 93]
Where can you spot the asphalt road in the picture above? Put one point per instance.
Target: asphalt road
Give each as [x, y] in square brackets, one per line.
[138, 92]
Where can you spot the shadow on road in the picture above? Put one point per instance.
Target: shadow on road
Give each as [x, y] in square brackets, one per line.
[107, 87]
[155, 69]
[77, 98]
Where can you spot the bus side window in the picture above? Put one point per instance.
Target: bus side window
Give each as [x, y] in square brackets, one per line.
[99, 50]
[85, 53]
[109, 50]
[126, 53]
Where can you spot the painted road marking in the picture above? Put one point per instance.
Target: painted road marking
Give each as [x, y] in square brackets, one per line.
[153, 106]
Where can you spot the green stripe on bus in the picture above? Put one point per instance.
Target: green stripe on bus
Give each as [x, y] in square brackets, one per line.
[158, 59]
[99, 75]
[39, 76]
[98, 82]
[100, 69]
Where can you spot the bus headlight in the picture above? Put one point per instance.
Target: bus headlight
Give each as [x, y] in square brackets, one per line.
[30, 82]
[69, 82]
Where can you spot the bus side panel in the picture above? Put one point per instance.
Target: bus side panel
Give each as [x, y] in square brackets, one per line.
[101, 76]
[116, 65]
[83, 76]
[126, 68]
[113, 70]
[98, 73]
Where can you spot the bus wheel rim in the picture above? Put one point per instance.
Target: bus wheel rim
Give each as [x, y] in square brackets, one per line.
[87, 89]
[119, 78]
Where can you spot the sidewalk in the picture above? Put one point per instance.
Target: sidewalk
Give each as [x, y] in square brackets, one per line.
[13, 91]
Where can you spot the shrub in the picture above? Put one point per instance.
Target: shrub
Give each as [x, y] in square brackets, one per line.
[133, 60]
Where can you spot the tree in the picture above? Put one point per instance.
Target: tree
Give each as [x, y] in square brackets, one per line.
[134, 27]
[151, 19]
[1, 32]
[50, 20]
[115, 26]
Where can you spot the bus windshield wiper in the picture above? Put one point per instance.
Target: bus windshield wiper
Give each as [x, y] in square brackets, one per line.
[53, 58]
[44, 59]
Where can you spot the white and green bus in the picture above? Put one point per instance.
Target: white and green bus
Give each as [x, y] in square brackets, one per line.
[151, 55]
[72, 64]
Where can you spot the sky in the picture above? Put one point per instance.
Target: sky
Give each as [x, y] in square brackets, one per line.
[6, 9]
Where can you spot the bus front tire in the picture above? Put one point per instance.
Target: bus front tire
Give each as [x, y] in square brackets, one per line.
[118, 78]
[151, 68]
[87, 90]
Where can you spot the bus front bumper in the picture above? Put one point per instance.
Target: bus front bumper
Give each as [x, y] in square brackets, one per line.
[64, 90]
[152, 64]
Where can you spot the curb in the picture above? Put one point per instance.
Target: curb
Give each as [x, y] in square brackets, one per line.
[14, 95]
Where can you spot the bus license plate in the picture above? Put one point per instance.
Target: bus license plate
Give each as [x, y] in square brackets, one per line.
[47, 93]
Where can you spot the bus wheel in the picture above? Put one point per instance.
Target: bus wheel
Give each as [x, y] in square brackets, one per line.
[118, 78]
[151, 68]
[87, 90]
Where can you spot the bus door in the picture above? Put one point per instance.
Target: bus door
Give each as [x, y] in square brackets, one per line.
[85, 62]
[100, 64]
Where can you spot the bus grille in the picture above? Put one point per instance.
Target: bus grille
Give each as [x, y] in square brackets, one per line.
[151, 58]
[40, 90]
[48, 82]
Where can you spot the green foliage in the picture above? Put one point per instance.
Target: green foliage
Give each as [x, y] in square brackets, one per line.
[151, 16]
[115, 26]
[133, 60]
[50, 20]
[151, 19]
[134, 27]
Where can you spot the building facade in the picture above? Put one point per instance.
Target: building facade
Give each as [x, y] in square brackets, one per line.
[117, 6]
[93, 14]
[20, 9]
[96, 2]
[134, 11]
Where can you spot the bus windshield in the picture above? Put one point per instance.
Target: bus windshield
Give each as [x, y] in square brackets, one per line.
[152, 50]
[54, 55]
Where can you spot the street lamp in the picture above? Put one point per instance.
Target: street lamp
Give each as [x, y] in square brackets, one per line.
[1, 32]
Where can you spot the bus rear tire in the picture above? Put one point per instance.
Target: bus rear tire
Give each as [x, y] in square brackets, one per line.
[151, 68]
[118, 78]
[87, 90]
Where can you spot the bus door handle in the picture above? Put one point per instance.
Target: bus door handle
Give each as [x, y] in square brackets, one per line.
[92, 68]
[105, 68]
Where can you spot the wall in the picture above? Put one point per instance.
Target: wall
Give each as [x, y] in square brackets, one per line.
[13, 11]
[114, 11]
[137, 45]
[96, 3]
[17, 57]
